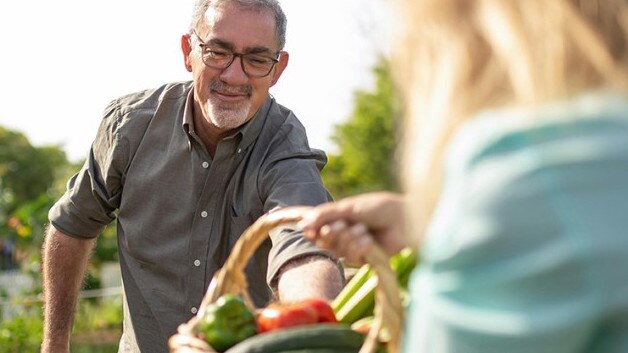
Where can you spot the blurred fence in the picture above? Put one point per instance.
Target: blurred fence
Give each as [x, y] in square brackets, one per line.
[14, 283]
[15, 305]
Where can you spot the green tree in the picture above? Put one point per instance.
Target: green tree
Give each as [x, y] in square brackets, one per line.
[367, 141]
[27, 174]
[25, 171]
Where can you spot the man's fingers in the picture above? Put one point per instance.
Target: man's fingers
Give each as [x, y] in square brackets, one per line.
[350, 242]
[315, 218]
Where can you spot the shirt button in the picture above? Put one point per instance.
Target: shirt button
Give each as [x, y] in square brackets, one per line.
[239, 150]
[204, 214]
[205, 165]
[197, 263]
[193, 310]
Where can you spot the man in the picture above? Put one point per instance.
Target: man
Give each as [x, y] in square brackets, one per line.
[185, 169]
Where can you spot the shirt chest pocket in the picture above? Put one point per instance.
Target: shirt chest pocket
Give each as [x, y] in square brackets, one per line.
[239, 223]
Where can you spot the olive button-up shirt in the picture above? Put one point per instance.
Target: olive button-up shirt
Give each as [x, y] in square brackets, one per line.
[179, 211]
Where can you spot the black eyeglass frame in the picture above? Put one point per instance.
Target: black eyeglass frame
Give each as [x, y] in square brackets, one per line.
[205, 49]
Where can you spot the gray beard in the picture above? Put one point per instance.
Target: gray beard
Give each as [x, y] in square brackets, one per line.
[231, 116]
[227, 116]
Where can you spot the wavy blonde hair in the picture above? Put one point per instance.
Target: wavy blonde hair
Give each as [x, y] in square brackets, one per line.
[457, 57]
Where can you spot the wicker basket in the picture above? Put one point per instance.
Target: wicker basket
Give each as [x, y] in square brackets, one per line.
[230, 279]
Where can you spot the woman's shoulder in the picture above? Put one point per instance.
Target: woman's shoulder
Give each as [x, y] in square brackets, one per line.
[586, 126]
[544, 173]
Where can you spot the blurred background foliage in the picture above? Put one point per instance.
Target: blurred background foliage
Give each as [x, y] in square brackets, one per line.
[32, 178]
[366, 158]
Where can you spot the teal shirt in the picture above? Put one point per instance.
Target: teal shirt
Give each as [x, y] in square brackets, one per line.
[528, 248]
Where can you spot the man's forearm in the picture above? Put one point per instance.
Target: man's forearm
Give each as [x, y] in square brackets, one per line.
[64, 262]
[312, 276]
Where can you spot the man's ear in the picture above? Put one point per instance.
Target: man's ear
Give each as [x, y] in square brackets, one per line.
[280, 66]
[186, 48]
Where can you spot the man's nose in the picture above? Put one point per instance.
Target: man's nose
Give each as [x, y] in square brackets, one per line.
[234, 74]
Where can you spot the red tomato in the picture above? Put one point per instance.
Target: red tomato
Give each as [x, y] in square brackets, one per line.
[277, 316]
[323, 309]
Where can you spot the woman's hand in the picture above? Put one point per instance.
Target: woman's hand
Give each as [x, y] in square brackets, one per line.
[347, 228]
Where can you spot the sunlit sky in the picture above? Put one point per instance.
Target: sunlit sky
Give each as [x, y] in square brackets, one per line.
[63, 61]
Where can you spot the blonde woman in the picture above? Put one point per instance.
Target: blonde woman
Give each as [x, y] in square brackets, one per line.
[516, 169]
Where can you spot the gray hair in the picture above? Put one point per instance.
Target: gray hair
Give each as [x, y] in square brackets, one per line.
[201, 7]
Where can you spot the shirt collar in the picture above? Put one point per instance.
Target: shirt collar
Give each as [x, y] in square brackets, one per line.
[188, 124]
[253, 127]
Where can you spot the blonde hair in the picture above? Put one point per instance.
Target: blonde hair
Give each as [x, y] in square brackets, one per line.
[457, 57]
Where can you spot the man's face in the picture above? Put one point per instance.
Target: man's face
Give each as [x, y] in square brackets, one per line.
[229, 97]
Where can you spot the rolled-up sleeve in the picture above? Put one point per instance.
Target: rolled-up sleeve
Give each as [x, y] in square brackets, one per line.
[93, 194]
[292, 179]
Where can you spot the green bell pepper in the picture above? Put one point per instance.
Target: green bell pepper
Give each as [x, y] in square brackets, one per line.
[226, 322]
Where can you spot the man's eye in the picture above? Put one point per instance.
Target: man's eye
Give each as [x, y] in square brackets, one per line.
[258, 60]
[218, 54]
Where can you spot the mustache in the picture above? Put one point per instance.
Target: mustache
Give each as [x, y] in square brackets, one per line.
[222, 87]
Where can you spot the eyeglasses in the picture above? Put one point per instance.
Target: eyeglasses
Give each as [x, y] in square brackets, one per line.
[253, 65]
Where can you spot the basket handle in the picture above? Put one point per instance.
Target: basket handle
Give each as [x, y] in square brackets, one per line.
[230, 279]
